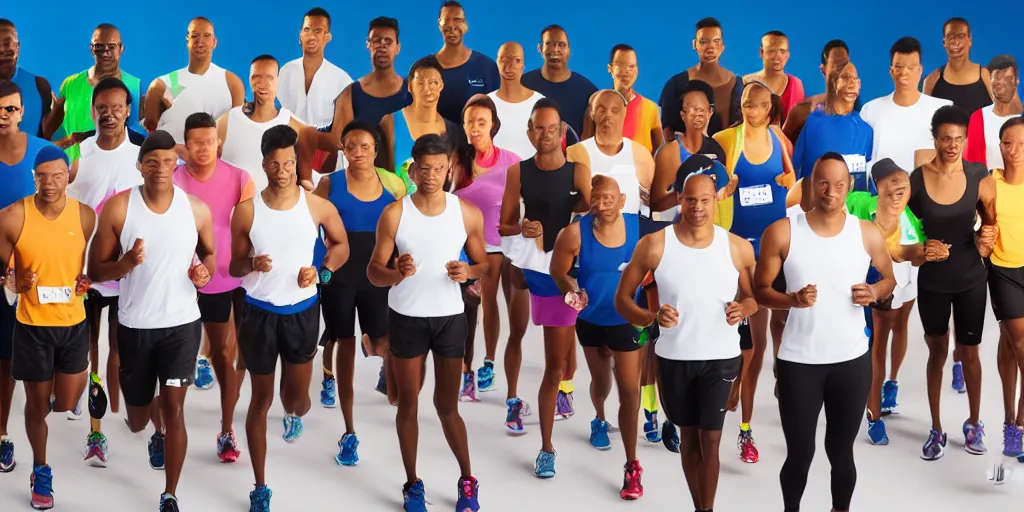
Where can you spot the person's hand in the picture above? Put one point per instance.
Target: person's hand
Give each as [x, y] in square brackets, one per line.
[577, 300]
[136, 255]
[82, 284]
[307, 277]
[9, 281]
[936, 250]
[733, 313]
[729, 189]
[199, 275]
[532, 228]
[22, 282]
[863, 294]
[804, 298]
[988, 236]
[645, 195]
[262, 263]
[458, 271]
[306, 184]
[405, 265]
[668, 316]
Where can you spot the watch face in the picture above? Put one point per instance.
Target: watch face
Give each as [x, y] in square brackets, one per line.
[325, 275]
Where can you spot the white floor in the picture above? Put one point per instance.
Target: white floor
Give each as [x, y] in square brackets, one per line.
[304, 476]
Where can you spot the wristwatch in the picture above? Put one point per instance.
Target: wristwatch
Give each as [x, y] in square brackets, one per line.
[325, 275]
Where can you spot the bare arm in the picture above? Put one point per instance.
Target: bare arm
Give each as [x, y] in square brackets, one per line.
[206, 248]
[236, 87]
[387, 227]
[774, 250]
[589, 126]
[386, 153]
[323, 189]
[241, 244]
[646, 257]
[88, 220]
[929, 82]
[222, 129]
[510, 214]
[582, 182]
[743, 258]
[874, 243]
[154, 105]
[644, 167]
[986, 78]
[73, 171]
[666, 163]
[475, 248]
[567, 247]
[326, 215]
[104, 264]
[796, 119]
[987, 198]
[923, 156]
[11, 223]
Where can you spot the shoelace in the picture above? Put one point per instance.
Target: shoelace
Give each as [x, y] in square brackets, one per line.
[42, 482]
[468, 489]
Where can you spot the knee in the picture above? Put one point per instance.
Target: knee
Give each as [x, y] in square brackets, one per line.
[938, 345]
[968, 354]
[553, 373]
[173, 413]
[629, 395]
[445, 408]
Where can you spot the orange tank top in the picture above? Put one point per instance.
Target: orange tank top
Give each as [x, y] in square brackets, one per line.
[55, 251]
[1009, 249]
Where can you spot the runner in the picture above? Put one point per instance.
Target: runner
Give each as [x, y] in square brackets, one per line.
[824, 358]
[428, 229]
[201, 86]
[310, 84]
[698, 353]
[983, 144]
[642, 124]
[159, 331]
[947, 210]
[39, 118]
[966, 84]
[603, 243]
[479, 169]
[550, 188]
[775, 55]
[467, 72]
[514, 101]
[834, 55]
[221, 302]
[569, 89]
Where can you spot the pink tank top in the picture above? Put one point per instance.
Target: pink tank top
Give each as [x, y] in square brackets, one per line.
[486, 193]
[221, 192]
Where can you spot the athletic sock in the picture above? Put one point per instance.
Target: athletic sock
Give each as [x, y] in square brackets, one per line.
[745, 427]
[566, 386]
[649, 398]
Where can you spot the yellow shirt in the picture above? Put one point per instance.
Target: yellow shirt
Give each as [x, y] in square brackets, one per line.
[55, 251]
[1009, 249]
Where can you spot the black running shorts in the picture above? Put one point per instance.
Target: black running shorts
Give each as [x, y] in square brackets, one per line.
[40, 351]
[1006, 285]
[618, 338]
[266, 336]
[341, 303]
[695, 393]
[95, 303]
[7, 320]
[157, 357]
[967, 309]
[216, 307]
[410, 337]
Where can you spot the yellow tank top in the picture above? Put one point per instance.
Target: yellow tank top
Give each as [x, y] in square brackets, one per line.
[55, 251]
[1009, 249]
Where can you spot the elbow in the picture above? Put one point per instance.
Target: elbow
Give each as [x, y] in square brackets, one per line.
[235, 270]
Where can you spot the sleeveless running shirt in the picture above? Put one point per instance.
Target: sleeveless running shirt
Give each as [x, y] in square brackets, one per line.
[969, 97]
[548, 197]
[371, 109]
[404, 141]
[832, 330]
[360, 219]
[288, 237]
[190, 93]
[486, 192]
[158, 294]
[19, 178]
[515, 115]
[621, 167]
[600, 269]
[315, 107]
[53, 250]
[1009, 249]
[77, 94]
[759, 199]
[699, 283]
[242, 147]
[432, 242]
[34, 92]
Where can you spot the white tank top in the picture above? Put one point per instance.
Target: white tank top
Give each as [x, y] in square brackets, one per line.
[621, 167]
[288, 237]
[831, 331]
[699, 283]
[158, 293]
[242, 147]
[190, 93]
[316, 107]
[432, 242]
[514, 116]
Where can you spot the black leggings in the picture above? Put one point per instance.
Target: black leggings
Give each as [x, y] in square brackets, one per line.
[803, 389]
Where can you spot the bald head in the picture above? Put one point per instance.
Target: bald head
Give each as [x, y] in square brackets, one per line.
[510, 61]
[510, 48]
[699, 185]
[604, 184]
[606, 199]
[606, 98]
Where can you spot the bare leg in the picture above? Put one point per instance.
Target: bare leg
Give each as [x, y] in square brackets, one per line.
[558, 345]
[345, 380]
[600, 366]
[1007, 366]
[489, 302]
[113, 362]
[627, 380]
[472, 311]
[519, 318]
[751, 371]
[67, 388]
[223, 349]
[409, 378]
[447, 382]
[295, 379]
[7, 394]
[710, 467]
[884, 322]
[256, 424]
[176, 438]
[972, 379]
[693, 459]
[899, 340]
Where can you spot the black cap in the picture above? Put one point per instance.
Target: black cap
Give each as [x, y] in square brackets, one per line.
[701, 164]
[884, 168]
[158, 139]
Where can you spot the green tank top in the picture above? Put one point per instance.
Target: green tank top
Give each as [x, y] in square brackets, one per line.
[77, 94]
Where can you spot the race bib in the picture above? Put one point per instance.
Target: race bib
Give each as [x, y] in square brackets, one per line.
[756, 196]
[54, 294]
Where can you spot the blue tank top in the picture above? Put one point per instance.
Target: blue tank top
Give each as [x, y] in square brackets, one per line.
[759, 200]
[18, 180]
[32, 102]
[371, 109]
[600, 270]
[360, 219]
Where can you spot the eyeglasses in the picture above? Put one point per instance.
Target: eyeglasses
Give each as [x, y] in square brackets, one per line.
[380, 41]
[9, 44]
[105, 47]
[10, 109]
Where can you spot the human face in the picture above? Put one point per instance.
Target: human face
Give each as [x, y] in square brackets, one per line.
[315, 35]
[431, 173]
[510, 61]
[894, 193]
[708, 44]
[848, 84]
[201, 40]
[554, 46]
[609, 113]
[606, 201]
[52, 181]
[956, 38]
[109, 111]
[107, 49]
[280, 167]
[263, 80]
[360, 150]
[906, 70]
[949, 142]
[695, 112]
[426, 86]
[837, 58]
[158, 168]
[384, 47]
[1012, 146]
[478, 123]
[831, 181]
[453, 25]
[698, 200]
[201, 144]
[756, 105]
[11, 111]
[10, 49]
[545, 130]
[775, 53]
[1004, 84]
[624, 69]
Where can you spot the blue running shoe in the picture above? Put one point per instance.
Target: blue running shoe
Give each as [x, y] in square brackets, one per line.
[485, 377]
[544, 467]
[958, 377]
[514, 416]
[651, 432]
[889, 404]
[876, 431]
[7, 462]
[168, 503]
[156, 451]
[329, 393]
[935, 447]
[292, 428]
[1012, 440]
[468, 500]
[670, 436]
[599, 434]
[382, 382]
[42, 488]
[414, 497]
[204, 373]
[974, 438]
[347, 454]
[259, 499]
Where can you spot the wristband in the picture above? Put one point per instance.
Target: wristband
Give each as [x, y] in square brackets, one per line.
[325, 275]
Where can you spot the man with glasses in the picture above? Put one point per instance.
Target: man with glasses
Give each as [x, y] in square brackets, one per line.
[38, 116]
[569, 89]
[967, 84]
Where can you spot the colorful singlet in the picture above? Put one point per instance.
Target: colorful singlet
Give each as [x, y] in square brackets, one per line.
[759, 200]
[600, 269]
[486, 192]
[77, 94]
[641, 119]
[404, 141]
[53, 250]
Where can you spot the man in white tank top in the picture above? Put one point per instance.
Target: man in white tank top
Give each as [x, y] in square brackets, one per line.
[202, 86]
[149, 238]
[429, 229]
[823, 359]
[514, 101]
[272, 239]
[704, 276]
[311, 83]
[241, 129]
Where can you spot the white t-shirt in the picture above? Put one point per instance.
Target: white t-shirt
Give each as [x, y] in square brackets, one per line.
[315, 108]
[900, 131]
[992, 124]
[514, 118]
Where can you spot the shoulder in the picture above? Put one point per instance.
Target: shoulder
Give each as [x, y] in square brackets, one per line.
[198, 205]
[932, 102]
[577, 153]
[296, 64]
[740, 246]
[875, 104]
[481, 58]
[582, 81]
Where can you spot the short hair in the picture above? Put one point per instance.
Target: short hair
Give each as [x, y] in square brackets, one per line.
[956, 19]
[6, 23]
[430, 144]
[106, 26]
[546, 103]
[906, 46]
[265, 56]
[319, 12]
[832, 155]
[1013, 121]
[708, 22]
[621, 47]
[553, 28]
[198, 121]
[156, 140]
[453, 4]
[774, 33]
[278, 137]
[949, 114]
[832, 45]
[110, 83]
[202, 18]
[699, 86]
[1004, 61]
[428, 62]
[362, 126]
[8, 88]
[384, 22]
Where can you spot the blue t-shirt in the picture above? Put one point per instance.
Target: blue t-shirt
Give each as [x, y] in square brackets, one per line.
[848, 135]
[479, 75]
[32, 97]
[572, 96]
[18, 181]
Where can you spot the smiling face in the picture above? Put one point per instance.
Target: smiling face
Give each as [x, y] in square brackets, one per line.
[894, 193]
[554, 46]
[107, 49]
[697, 200]
[1012, 147]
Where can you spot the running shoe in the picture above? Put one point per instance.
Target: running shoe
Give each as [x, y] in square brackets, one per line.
[468, 392]
[227, 447]
[259, 499]
[514, 416]
[168, 503]
[544, 467]
[889, 404]
[468, 500]
[599, 434]
[876, 431]
[76, 413]
[485, 377]
[156, 451]
[41, 483]
[670, 436]
[292, 428]
[935, 447]
[7, 462]
[382, 382]
[96, 450]
[632, 487]
[329, 393]
[958, 377]
[204, 373]
[414, 497]
[347, 450]
[1012, 440]
[651, 432]
[974, 438]
[746, 447]
[564, 406]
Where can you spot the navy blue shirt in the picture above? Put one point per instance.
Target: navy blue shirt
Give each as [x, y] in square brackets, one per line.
[848, 135]
[371, 109]
[479, 75]
[572, 96]
[671, 102]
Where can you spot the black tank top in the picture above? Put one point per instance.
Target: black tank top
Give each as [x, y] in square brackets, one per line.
[371, 109]
[954, 225]
[969, 97]
[549, 197]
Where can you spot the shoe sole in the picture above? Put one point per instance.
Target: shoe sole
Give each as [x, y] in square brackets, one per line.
[975, 452]
[544, 476]
[328, 406]
[631, 497]
[515, 433]
[937, 457]
[96, 463]
[342, 464]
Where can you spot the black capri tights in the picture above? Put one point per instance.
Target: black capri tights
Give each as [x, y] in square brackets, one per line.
[843, 390]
